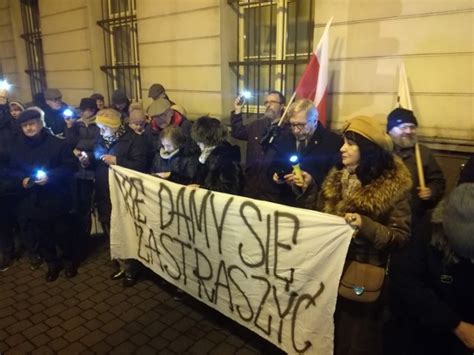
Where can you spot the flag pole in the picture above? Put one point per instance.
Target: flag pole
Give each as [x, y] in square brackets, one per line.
[283, 116]
[419, 166]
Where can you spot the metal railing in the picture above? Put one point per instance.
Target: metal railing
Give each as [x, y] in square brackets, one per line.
[275, 41]
[122, 63]
[34, 45]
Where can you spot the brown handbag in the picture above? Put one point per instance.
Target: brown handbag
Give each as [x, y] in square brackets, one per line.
[362, 282]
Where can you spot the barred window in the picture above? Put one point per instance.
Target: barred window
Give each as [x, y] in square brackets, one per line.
[34, 45]
[275, 40]
[122, 67]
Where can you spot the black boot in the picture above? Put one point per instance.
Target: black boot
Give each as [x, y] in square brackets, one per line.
[53, 273]
[129, 280]
[70, 270]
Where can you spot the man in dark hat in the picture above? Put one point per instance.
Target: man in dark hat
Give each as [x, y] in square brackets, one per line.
[43, 165]
[401, 126]
[54, 111]
[121, 103]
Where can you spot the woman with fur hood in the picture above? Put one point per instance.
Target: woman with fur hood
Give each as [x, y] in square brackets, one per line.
[370, 188]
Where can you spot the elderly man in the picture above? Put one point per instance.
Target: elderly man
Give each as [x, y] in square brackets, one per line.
[260, 154]
[43, 166]
[316, 149]
[162, 115]
[401, 126]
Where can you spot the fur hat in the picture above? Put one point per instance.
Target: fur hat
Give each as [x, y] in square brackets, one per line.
[108, 117]
[458, 220]
[51, 94]
[17, 103]
[27, 115]
[155, 91]
[368, 128]
[158, 107]
[400, 116]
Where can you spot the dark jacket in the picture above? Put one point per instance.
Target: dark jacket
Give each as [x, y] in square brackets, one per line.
[83, 136]
[259, 158]
[434, 179]
[320, 154]
[7, 136]
[54, 156]
[131, 152]
[429, 297]
[221, 171]
[467, 173]
[182, 165]
[54, 119]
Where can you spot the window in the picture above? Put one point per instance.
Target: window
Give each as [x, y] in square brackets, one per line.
[275, 40]
[34, 45]
[122, 68]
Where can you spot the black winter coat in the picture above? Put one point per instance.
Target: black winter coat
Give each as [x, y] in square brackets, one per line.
[54, 119]
[182, 165]
[55, 157]
[259, 158]
[429, 298]
[221, 171]
[7, 136]
[131, 152]
[83, 137]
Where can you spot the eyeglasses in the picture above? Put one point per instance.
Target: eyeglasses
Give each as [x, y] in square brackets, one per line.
[298, 126]
[269, 102]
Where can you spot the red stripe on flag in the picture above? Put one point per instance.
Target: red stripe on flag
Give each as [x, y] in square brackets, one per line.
[322, 108]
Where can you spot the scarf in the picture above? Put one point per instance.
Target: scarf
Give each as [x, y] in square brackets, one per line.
[110, 140]
[167, 155]
[205, 154]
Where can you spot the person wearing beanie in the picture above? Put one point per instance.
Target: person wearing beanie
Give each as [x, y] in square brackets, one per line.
[43, 166]
[369, 187]
[99, 100]
[316, 148]
[119, 145]
[401, 126]
[432, 282]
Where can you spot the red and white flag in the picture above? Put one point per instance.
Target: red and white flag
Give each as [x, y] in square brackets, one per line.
[313, 84]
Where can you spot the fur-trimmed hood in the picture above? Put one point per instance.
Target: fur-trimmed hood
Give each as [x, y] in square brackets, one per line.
[374, 199]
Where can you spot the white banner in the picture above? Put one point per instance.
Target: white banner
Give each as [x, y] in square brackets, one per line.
[272, 268]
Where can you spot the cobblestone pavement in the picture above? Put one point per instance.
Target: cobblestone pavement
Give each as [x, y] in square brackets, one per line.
[92, 314]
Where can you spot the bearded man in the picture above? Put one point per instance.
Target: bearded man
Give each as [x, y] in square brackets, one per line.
[259, 156]
[401, 126]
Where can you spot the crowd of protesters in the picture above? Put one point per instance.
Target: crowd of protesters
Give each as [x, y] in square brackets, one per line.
[415, 245]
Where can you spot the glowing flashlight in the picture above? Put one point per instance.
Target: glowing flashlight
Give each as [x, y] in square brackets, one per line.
[4, 85]
[40, 174]
[68, 113]
[295, 164]
[246, 94]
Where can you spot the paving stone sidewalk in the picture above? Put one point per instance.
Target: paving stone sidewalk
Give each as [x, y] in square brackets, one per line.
[92, 314]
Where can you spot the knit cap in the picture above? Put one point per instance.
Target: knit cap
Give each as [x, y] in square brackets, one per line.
[108, 117]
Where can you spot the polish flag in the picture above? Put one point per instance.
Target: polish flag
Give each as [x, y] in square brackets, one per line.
[403, 99]
[313, 84]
